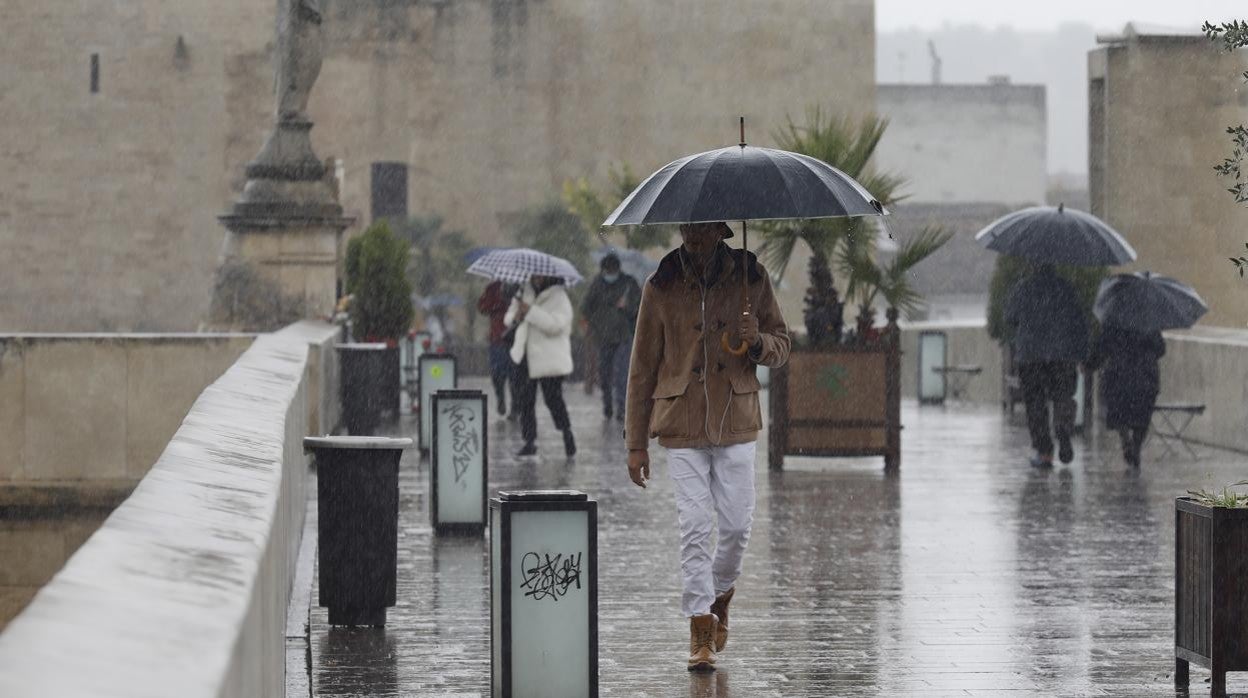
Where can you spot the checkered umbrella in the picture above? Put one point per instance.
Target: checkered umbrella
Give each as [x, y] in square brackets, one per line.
[515, 266]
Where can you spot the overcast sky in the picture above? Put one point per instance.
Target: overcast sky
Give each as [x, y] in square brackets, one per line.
[892, 15]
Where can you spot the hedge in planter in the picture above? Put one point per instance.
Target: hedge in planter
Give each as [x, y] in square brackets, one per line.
[381, 303]
[1211, 585]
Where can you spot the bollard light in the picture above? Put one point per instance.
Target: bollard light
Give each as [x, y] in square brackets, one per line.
[357, 493]
[437, 372]
[543, 595]
[458, 464]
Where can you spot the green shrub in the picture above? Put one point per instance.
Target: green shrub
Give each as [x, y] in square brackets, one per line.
[376, 266]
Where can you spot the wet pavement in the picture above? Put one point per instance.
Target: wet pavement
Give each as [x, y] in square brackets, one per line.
[968, 574]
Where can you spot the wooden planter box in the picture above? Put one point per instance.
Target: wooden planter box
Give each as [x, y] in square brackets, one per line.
[838, 401]
[1210, 590]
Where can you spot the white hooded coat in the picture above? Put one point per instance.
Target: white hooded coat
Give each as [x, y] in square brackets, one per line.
[545, 335]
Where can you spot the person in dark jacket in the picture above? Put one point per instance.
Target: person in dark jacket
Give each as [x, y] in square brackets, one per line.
[1130, 381]
[1050, 332]
[610, 308]
[493, 303]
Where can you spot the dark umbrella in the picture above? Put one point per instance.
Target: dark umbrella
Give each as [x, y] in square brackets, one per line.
[1147, 302]
[1057, 236]
[743, 183]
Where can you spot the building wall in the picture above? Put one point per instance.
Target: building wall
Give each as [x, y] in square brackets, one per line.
[966, 143]
[1158, 112]
[108, 201]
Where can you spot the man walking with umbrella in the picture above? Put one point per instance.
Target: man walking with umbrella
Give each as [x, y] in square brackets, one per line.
[701, 401]
[1050, 341]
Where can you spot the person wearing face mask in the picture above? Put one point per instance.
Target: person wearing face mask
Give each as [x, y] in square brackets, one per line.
[542, 352]
[610, 308]
[699, 396]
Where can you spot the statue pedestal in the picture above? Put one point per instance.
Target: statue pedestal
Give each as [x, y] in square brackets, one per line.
[287, 224]
[297, 252]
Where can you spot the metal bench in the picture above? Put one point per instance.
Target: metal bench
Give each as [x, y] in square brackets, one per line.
[959, 377]
[1170, 422]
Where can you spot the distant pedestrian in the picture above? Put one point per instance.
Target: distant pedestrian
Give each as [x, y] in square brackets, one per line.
[701, 401]
[494, 301]
[542, 352]
[610, 308]
[1130, 381]
[1050, 341]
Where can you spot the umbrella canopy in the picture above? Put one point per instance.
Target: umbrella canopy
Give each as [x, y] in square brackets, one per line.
[632, 262]
[517, 265]
[744, 183]
[1057, 236]
[1148, 302]
[477, 253]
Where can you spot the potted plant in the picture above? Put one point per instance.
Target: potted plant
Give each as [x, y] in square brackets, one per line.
[381, 313]
[849, 400]
[1210, 591]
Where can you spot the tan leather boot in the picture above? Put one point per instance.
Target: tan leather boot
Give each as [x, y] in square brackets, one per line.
[702, 643]
[720, 609]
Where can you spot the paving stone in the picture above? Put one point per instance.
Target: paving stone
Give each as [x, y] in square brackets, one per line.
[969, 574]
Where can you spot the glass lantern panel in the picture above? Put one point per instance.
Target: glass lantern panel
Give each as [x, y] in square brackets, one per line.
[550, 595]
[460, 459]
[435, 375]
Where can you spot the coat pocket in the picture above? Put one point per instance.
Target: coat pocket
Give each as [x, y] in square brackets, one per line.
[745, 412]
[670, 415]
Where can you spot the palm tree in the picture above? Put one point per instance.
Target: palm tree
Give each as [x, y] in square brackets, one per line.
[848, 145]
[870, 279]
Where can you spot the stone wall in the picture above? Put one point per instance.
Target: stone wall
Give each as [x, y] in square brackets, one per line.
[1159, 106]
[183, 590]
[966, 143]
[108, 202]
[99, 408]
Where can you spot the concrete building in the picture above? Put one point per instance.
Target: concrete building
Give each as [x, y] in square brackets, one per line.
[128, 125]
[970, 153]
[966, 143]
[1159, 103]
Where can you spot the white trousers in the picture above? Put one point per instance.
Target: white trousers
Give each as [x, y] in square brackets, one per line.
[710, 483]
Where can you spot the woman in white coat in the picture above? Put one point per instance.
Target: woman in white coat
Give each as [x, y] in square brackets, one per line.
[542, 352]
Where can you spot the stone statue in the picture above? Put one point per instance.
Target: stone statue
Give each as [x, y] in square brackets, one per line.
[299, 55]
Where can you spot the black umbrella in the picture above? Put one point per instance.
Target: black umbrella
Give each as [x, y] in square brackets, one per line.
[1057, 236]
[743, 183]
[1147, 302]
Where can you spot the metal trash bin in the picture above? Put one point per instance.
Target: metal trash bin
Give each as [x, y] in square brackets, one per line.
[358, 510]
[362, 368]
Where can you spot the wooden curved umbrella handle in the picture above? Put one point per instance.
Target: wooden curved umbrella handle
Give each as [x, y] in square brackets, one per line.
[727, 346]
[723, 341]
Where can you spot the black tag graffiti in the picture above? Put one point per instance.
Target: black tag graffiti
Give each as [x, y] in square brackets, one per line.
[551, 577]
[465, 443]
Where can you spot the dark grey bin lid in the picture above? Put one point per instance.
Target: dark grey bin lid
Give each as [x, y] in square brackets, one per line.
[356, 442]
[543, 496]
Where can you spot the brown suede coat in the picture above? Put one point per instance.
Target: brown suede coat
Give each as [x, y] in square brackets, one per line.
[682, 386]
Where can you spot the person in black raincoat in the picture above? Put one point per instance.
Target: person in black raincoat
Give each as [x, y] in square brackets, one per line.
[1130, 381]
[1050, 341]
[610, 308]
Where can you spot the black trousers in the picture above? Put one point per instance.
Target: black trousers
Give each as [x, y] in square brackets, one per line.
[613, 373]
[1044, 382]
[524, 400]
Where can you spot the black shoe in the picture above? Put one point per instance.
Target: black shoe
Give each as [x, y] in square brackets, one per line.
[1041, 461]
[530, 449]
[514, 416]
[502, 408]
[569, 443]
[619, 416]
[1065, 452]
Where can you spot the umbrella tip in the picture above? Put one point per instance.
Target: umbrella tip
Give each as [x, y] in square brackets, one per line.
[742, 118]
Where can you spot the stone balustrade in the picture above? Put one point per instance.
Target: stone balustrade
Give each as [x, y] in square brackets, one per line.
[183, 590]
